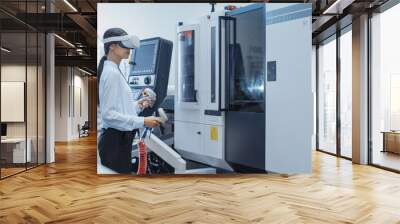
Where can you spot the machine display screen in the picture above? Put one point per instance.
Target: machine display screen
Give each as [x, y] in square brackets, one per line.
[145, 59]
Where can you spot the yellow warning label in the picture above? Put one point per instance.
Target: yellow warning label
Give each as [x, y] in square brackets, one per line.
[214, 133]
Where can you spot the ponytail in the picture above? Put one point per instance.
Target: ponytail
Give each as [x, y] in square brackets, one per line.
[99, 71]
[100, 68]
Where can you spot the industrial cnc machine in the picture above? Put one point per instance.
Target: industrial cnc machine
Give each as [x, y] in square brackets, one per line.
[243, 97]
[243, 93]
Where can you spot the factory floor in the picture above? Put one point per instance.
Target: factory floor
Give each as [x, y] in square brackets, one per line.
[70, 191]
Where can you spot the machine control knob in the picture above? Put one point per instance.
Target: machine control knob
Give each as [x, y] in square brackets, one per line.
[147, 80]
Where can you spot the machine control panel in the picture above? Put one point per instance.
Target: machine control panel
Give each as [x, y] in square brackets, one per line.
[150, 65]
[142, 81]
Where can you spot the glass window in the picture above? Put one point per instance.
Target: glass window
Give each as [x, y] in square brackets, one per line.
[31, 97]
[187, 66]
[327, 95]
[247, 81]
[346, 93]
[22, 91]
[385, 89]
[15, 150]
[213, 57]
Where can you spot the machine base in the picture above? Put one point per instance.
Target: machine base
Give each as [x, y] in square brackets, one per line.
[246, 169]
[210, 161]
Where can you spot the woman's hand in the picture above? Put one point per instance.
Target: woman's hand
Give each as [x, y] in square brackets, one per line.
[145, 103]
[152, 122]
[147, 98]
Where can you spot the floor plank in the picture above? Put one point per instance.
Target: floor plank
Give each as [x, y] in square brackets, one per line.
[70, 191]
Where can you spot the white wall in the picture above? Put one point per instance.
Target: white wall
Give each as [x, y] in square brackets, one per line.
[61, 103]
[150, 20]
[80, 84]
[69, 82]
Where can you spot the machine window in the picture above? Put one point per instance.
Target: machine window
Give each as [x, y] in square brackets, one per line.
[248, 57]
[213, 53]
[186, 66]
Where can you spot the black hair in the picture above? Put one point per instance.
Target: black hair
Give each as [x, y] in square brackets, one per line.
[113, 32]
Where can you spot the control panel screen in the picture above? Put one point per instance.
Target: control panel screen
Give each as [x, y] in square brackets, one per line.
[145, 59]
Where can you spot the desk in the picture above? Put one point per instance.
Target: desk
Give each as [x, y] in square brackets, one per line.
[13, 150]
[391, 141]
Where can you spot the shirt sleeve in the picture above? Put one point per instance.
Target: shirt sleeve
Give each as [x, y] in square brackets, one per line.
[136, 106]
[110, 113]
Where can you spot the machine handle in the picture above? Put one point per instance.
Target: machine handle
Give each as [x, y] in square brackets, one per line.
[195, 96]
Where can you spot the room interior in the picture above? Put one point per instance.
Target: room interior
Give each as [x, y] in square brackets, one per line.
[48, 171]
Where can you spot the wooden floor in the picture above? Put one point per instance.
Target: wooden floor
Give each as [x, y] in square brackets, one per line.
[10, 171]
[5, 172]
[70, 191]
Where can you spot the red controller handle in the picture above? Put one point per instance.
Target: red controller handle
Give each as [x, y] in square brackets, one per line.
[142, 168]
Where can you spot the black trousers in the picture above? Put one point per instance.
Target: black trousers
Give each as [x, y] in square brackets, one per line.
[115, 148]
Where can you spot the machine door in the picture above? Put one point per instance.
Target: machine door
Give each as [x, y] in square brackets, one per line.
[245, 98]
[188, 42]
[289, 97]
[215, 89]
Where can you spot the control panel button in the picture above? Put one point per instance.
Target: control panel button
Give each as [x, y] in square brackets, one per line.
[147, 80]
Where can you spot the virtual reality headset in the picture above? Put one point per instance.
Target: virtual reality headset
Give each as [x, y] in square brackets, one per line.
[126, 41]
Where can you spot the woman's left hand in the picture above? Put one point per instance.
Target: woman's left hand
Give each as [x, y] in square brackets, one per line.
[145, 103]
[148, 98]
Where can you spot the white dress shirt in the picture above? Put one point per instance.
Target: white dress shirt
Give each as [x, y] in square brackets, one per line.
[118, 109]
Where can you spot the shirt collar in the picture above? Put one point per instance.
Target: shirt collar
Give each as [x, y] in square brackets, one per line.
[117, 67]
[111, 62]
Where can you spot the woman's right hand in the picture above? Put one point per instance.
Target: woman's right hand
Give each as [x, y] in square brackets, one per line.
[151, 122]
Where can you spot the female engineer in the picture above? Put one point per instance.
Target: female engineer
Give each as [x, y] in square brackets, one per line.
[118, 109]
